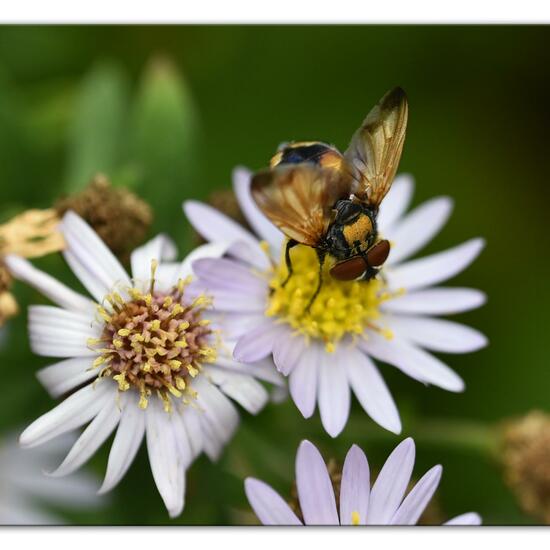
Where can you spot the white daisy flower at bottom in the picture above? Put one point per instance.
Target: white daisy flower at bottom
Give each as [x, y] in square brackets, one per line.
[25, 492]
[359, 504]
[142, 358]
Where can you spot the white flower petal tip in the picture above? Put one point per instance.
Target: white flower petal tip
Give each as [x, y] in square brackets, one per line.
[268, 505]
[464, 520]
[436, 268]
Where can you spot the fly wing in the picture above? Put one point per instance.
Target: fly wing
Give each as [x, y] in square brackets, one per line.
[375, 148]
[299, 199]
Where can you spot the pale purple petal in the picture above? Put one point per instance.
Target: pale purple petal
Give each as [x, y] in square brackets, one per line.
[268, 505]
[396, 202]
[225, 274]
[413, 361]
[263, 370]
[54, 290]
[371, 391]
[315, 491]
[417, 229]
[256, 219]
[287, 351]
[391, 484]
[258, 343]
[217, 227]
[303, 379]
[334, 393]
[438, 334]
[354, 488]
[469, 518]
[434, 269]
[436, 301]
[416, 501]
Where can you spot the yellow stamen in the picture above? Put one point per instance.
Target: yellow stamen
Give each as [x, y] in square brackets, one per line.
[340, 309]
[355, 518]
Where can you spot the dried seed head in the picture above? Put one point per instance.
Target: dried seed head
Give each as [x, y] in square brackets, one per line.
[117, 215]
[526, 460]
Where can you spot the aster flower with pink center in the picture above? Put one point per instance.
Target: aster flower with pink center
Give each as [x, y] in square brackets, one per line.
[142, 357]
[334, 346]
[355, 503]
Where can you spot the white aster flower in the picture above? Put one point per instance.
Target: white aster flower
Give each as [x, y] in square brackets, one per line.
[25, 492]
[141, 355]
[330, 348]
[359, 504]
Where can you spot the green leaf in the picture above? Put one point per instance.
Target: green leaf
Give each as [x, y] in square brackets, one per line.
[97, 128]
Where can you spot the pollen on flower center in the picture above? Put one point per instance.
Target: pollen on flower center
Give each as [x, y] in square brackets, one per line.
[341, 307]
[154, 342]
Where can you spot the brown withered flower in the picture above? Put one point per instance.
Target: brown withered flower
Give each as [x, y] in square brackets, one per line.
[526, 462]
[117, 215]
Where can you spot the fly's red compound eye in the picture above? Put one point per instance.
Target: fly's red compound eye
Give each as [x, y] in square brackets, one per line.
[349, 270]
[378, 254]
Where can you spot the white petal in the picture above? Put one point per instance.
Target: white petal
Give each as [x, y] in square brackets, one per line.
[416, 501]
[287, 351]
[268, 505]
[182, 438]
[225, 274]
[355, 487]
[396, 202]
[303, 379]
[216, 412]
[255, 217]
[127, 441]
[66, 375]
[246, 391]
[372, 392]
[438, 334]
[90, 259]
[413, 361]
[217, 227]
[161, 249]
[166, 462]
[263, 370]
[433, 269]
[97, 431]
[258, 343]
[60, 333]
[391, 484]
[72, 413]
[334, 392]
[470, 518]
[417, 229]
[190, 417]
[315, 491]
[436, 301]
[54, 290]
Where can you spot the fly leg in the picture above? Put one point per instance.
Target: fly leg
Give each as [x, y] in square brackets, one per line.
[321, 255]
[291, 243]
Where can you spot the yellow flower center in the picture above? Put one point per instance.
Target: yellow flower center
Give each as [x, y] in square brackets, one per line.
[155, 342]
[341, 307]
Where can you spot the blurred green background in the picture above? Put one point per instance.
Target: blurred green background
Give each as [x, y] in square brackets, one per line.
[169, 111]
